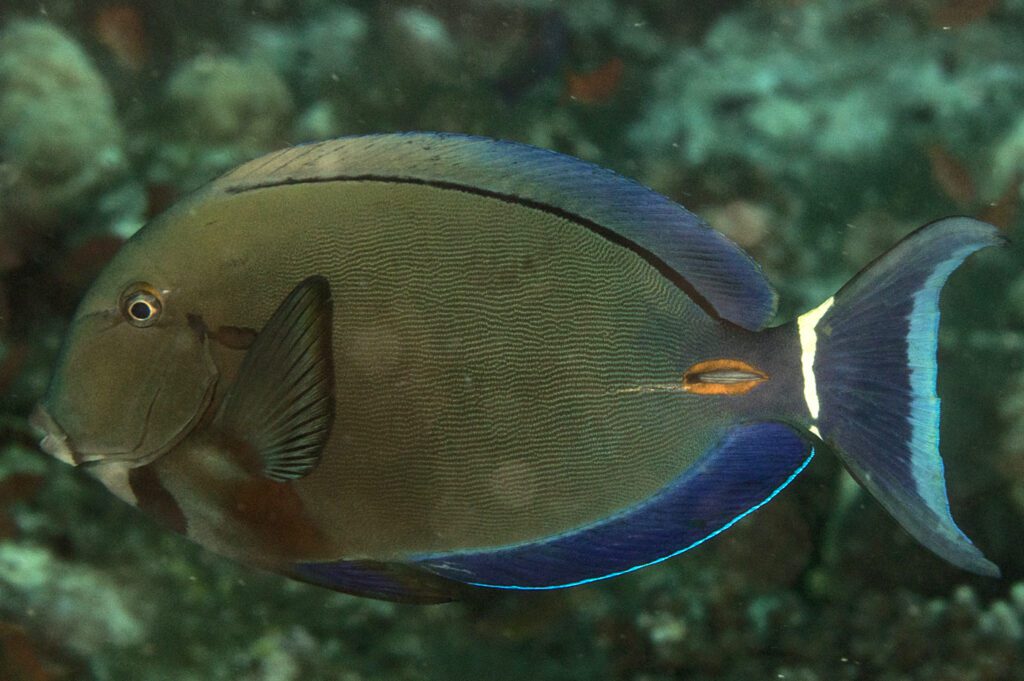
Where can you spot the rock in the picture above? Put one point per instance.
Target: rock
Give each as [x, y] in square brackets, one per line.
[225, 101]
[59, 134]
[70, 605]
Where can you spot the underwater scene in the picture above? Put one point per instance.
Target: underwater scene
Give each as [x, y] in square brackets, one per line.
[421, 406]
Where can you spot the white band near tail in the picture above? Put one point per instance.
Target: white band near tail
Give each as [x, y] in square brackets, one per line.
[807, 325]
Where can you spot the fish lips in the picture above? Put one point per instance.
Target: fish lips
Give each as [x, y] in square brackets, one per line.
[53, 439]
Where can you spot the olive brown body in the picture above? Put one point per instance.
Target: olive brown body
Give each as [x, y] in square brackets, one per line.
[492, 361]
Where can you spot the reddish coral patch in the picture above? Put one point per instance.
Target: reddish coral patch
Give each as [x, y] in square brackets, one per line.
[956, 13]
[951, 175]
[597, 86]
[121, 30]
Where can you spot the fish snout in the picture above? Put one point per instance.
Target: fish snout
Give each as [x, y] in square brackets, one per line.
[53, 439]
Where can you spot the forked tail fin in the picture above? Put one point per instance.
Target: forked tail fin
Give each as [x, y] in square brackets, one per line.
[869, 364]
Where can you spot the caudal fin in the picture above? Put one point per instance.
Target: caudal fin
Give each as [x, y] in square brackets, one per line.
[869, 372]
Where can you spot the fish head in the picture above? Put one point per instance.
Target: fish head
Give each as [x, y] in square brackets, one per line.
[134, 376]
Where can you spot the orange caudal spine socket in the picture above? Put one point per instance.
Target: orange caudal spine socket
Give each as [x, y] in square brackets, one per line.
[722, 377]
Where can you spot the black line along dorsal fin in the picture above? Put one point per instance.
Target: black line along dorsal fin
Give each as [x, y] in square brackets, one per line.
[715, 272]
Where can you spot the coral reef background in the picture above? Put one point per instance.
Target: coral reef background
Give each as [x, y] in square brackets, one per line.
[815, 133]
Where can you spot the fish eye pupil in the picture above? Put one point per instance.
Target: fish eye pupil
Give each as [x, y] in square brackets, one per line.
[141, 311]
[141, 308]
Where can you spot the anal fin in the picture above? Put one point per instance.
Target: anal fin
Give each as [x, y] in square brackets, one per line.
[748, 466]
[380, 580]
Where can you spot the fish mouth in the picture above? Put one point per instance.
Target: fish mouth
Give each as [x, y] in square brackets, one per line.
[53, 439]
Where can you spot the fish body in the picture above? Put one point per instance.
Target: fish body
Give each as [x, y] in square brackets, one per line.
[404, 365]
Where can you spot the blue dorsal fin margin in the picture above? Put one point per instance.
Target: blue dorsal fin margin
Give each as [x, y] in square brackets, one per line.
[712, 269]
[745, 470]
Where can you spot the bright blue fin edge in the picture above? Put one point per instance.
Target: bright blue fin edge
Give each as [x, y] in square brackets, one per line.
[717, 270]
[748, 467]
[876, 371]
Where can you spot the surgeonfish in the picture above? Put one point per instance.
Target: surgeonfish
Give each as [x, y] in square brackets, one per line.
[410, 365]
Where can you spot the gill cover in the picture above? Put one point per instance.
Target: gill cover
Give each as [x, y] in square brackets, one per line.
[126, 393]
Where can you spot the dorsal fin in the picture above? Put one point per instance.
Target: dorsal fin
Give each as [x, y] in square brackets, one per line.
[715, 272]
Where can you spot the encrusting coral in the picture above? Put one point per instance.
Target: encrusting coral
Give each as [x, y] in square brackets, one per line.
[60, 138]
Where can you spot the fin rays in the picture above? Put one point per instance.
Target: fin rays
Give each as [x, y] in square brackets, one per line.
[282, 403]
[876, 370]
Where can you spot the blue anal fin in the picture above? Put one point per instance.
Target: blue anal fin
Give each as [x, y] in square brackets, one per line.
[383, 581]
[748, 466]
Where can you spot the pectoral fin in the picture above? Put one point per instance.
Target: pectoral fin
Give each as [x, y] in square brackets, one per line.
[282, 404]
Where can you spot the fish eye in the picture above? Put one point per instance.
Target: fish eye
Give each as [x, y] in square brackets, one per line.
[141, 307]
